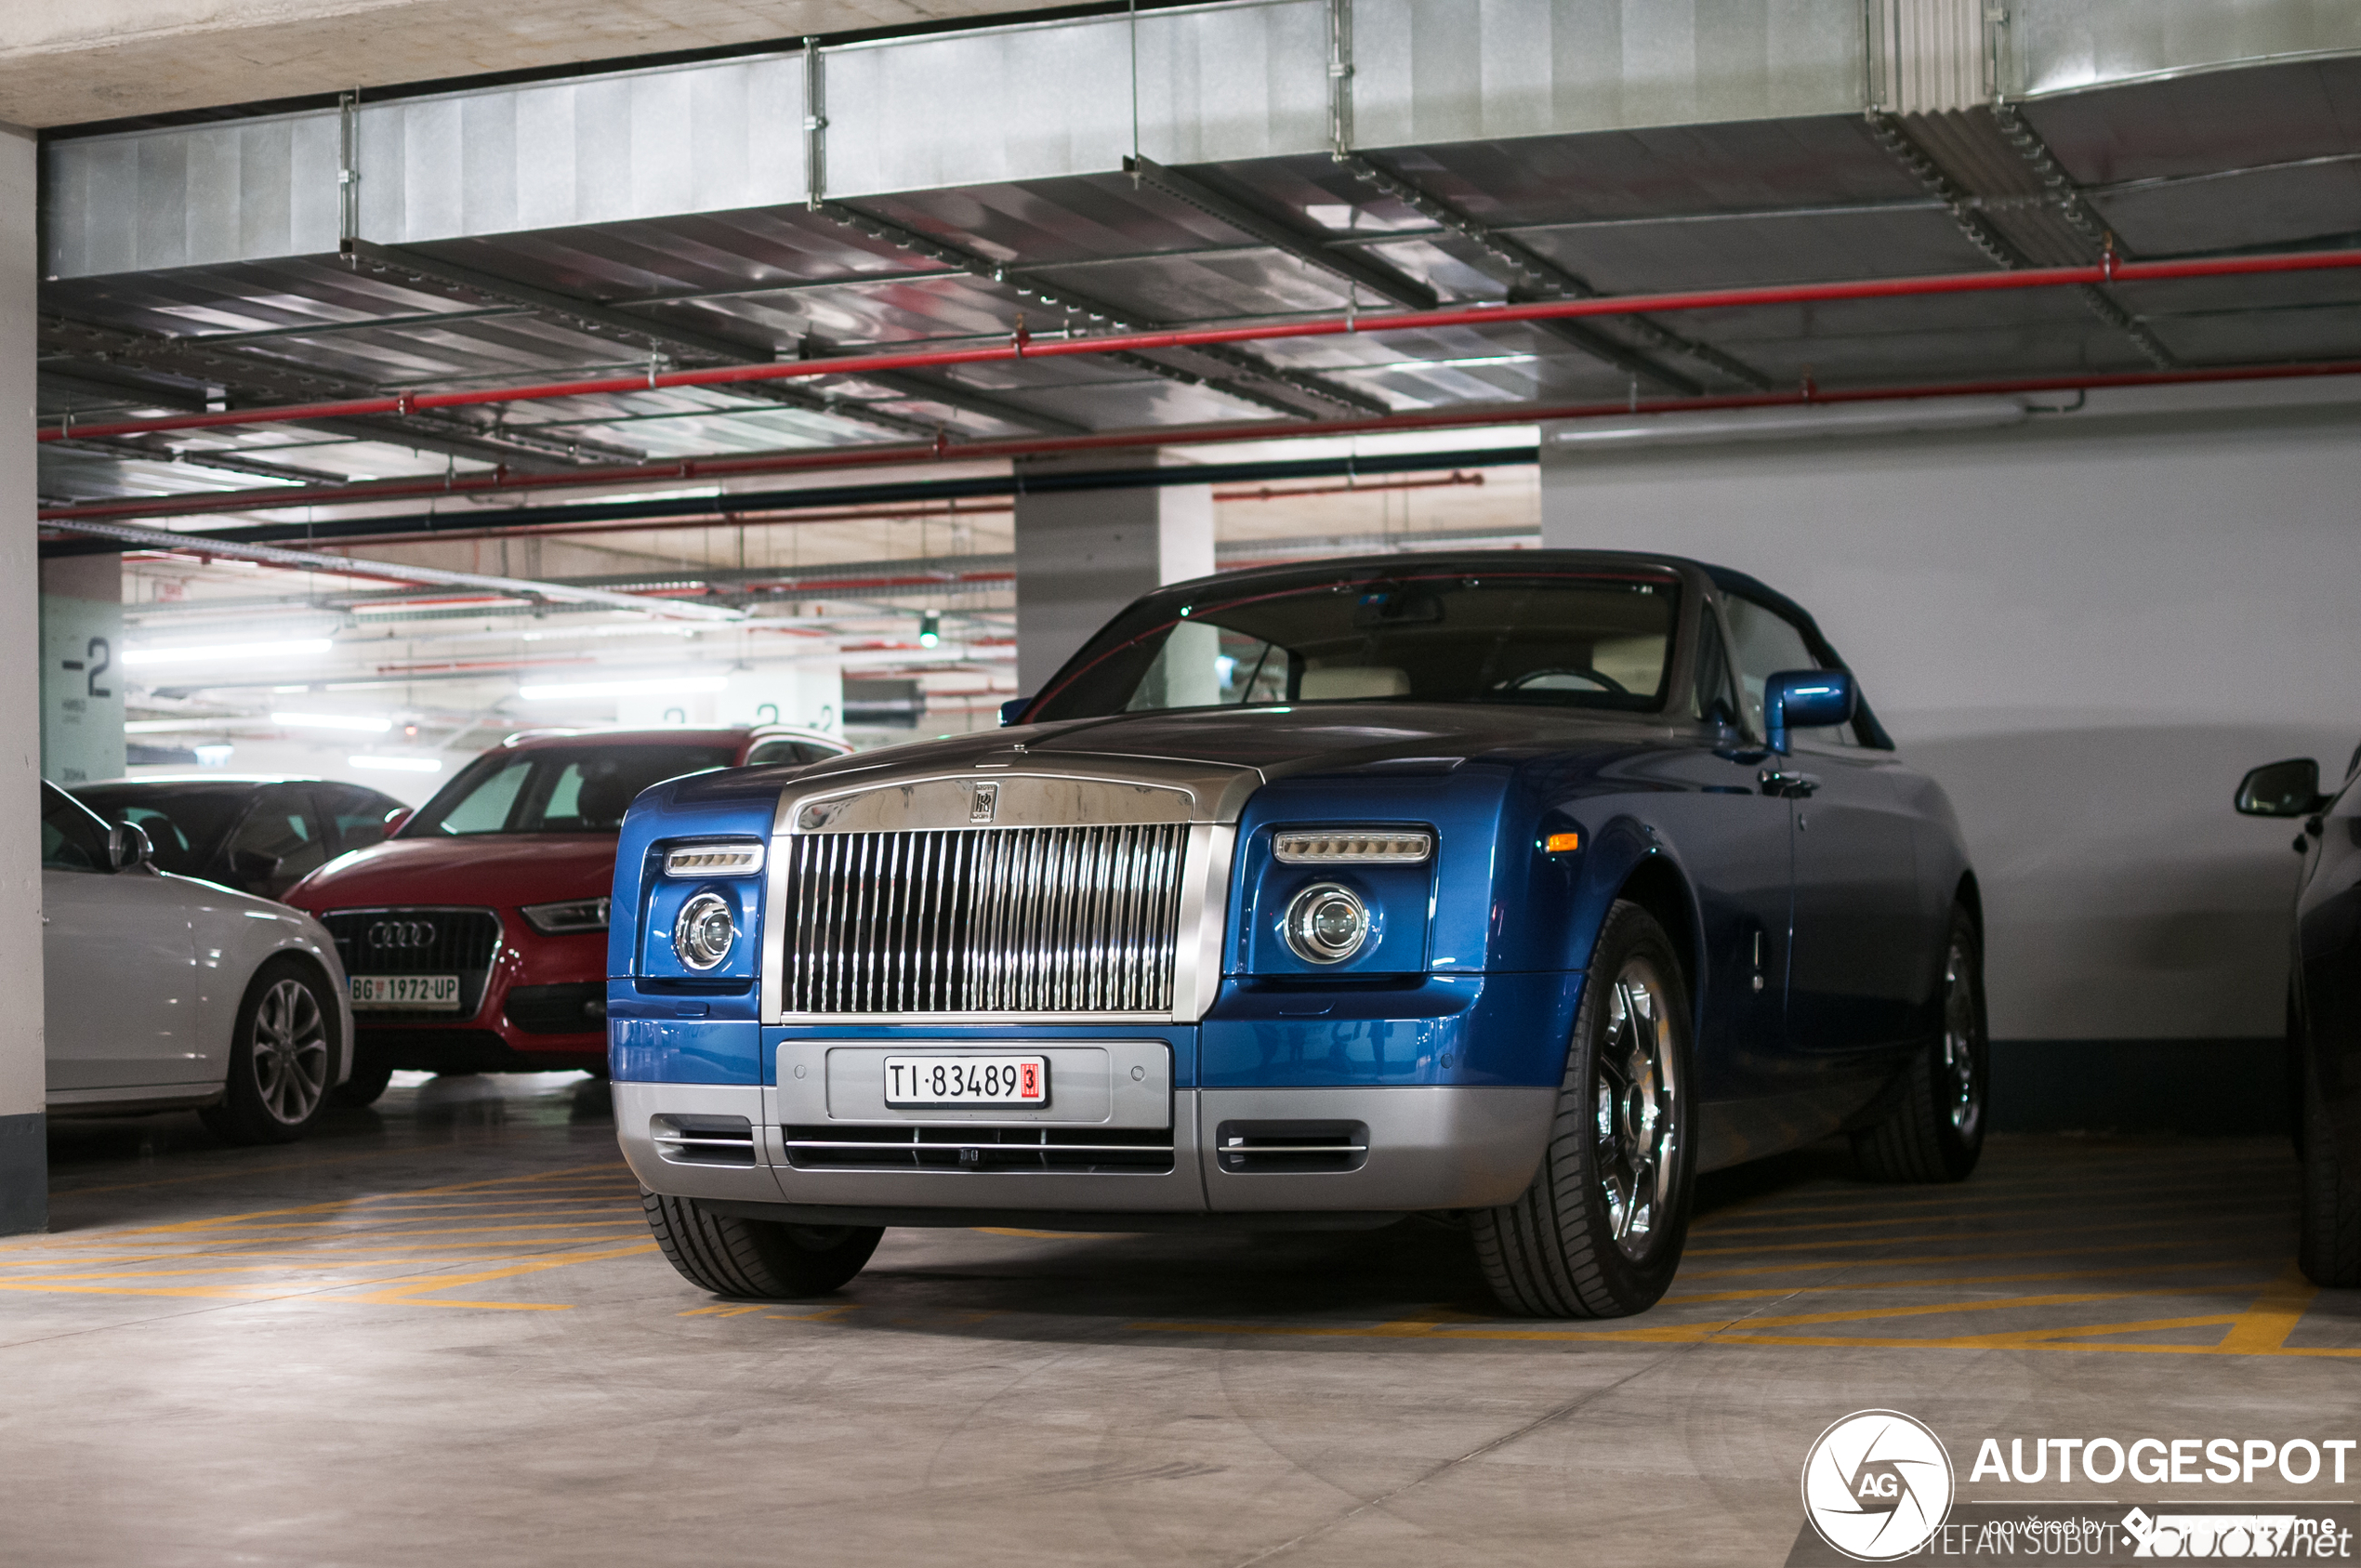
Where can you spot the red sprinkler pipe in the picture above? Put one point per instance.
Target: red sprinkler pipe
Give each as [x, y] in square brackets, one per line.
[279, 498]
[1023, 346]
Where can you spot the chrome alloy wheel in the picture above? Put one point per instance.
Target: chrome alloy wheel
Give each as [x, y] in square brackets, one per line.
[1962, 1102]
[1638, 1090]
[290, 1051]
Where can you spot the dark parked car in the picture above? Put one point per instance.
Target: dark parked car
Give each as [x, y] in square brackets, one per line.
[2324, 1005]
[261, 836]
[475, 936]
[1515, 887]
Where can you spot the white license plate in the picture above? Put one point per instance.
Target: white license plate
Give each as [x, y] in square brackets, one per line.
[433, 993]
[967, 1080]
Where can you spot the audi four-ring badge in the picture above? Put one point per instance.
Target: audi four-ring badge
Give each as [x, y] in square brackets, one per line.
[475, 934]
[1512, 888]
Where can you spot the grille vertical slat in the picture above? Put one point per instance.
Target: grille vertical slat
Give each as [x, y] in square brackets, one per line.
[1030, 919]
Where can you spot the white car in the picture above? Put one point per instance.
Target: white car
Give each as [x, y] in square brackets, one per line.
[164, 993]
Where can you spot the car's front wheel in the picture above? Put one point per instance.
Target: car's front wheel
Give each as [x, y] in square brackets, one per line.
[280, 1055]
[1599, 1233]
[756, 1259]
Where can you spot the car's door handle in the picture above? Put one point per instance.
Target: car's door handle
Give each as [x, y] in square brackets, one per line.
[1792, 786]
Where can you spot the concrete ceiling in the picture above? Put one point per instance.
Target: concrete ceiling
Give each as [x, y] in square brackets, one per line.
[73, 62]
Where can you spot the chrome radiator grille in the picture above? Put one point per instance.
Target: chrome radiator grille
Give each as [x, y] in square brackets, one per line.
[1016, 919]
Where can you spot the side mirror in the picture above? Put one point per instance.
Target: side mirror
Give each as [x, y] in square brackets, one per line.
[2281, 789]
[395, 818]
[128, 845]
[1013, 710]
[1806, 699]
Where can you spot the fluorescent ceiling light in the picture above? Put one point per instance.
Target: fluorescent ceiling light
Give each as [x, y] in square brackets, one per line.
[658, 628]
[398, 764]
[1784, 424]
[412, 604]
[334, 721]
[165, 726]
[224, 652]
[681, 684]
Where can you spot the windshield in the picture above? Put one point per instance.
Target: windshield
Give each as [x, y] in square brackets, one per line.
[1553, 638]
[556, 789]
[185, 825]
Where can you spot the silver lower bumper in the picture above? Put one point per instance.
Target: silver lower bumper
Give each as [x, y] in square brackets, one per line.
[1383, 1150]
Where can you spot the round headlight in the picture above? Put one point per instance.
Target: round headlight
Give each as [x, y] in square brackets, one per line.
[704, 932]
[1326, 924]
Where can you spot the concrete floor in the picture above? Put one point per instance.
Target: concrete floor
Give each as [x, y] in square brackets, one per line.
[436, 1333]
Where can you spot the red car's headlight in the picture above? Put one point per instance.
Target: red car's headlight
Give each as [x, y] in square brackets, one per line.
[570, 918]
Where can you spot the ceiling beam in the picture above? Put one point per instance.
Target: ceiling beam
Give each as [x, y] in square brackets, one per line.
[1534, 276]
[1967, 210]
[671, 339]
[1347, 267]
[126, 361]
[1251, 367]
[397, 572]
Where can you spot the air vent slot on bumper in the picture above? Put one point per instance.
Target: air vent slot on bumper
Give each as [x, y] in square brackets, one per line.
[702, 1140]
[1290, 1148]
[973, 1148]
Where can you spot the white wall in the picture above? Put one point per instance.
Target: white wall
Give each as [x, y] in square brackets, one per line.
[2086, 626]
[24, 1157]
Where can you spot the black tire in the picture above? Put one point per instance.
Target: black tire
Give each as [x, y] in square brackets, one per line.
[281, 1056]
[1556, 1252]
[2328, 1244]
[363, 1088]
[1934, 1131]
[756, 1259]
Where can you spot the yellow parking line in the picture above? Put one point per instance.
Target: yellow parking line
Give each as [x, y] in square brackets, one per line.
[1776, 1291]
[2067, 1229]
[1987, 1195]
[488, 1184]
[2179, 1205]
[1932, 1260]
[332, 1231]
[2266, 1324]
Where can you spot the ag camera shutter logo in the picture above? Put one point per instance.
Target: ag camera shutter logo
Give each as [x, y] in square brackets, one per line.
[1877, 1486]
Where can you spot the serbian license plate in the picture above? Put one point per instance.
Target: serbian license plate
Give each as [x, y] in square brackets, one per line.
[966, 1080]
[432, 993]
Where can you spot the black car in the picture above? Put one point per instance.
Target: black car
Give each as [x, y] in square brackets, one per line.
[259, 835]
[2324, 1005]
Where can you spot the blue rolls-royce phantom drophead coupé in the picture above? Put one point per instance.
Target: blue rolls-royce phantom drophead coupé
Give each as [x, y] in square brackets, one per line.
[1515, 887]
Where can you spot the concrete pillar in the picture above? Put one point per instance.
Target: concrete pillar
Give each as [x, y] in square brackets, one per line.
[1082, 555]
[24, 1160]
[82, 669]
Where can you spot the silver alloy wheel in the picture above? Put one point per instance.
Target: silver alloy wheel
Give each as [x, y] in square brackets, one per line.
[290, 1051]
[1638, 1091]
[1961, 1102]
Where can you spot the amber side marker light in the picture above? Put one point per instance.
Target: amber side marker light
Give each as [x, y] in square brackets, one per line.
[1562, 843]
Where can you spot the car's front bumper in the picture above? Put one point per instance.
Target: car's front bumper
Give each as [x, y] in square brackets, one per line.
[1387, 1149]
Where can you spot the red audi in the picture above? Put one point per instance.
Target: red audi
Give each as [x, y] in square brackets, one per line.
[474, 939]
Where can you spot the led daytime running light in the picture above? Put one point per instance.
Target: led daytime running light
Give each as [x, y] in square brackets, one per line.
[714, 860]
[1353, 847]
